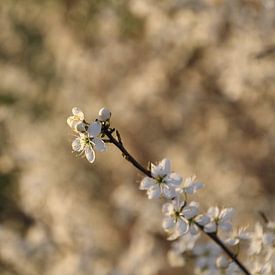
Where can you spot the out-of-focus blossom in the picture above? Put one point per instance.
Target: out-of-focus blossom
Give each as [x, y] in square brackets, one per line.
[207, 254]
[259, 239]
[237, 236]
[190, 186]
[219, 219]
[163, 181]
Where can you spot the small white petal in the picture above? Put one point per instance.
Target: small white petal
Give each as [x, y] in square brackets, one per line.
[165, 164]
[173, 179]
[77, 145]
[168, 223]
[90, 154]
[190, 212]
[182, 226]
[94, 129]
[99, 145]
[202, 219]
[225, 226]
[80, 127]
[226, 214]
[77, 112]
[70, 121]
[194, 230]
[146, 183]
[232, 241]
[210, 227]
[213, 212]
[155, 170]
[168, 192]
[154, 192]
[168, 209]
[196, 186]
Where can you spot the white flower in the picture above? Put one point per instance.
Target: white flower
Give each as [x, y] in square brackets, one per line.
[76, 121]
[260, 239]
[237, 236]
[207, 255]
[233, 269]
[190, 186]
[87, 142]
[176, 217]
[219, 219]
[185, 243]
[104, 114]
[162, 183]
[261, 268]
[222, 262]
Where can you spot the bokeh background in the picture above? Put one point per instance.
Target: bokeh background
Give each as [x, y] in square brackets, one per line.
[189, 80]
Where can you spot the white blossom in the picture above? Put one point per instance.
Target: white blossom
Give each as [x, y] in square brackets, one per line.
[259, 239]
[177, 215]
[222, 262]
[237, 236]
[76, 121]
[162, 183]
[261, 268]
[219, 219]
[87, 142]
[207, 254]
[190, 186]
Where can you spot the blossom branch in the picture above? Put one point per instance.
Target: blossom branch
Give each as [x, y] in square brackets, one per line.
[108, 132]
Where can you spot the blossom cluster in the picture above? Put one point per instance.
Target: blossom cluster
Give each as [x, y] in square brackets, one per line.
[88, 139]
[183, 220]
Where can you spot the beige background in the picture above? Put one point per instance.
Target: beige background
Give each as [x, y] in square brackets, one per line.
[193, 81]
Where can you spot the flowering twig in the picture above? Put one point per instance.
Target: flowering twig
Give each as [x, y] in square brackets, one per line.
[131, 159]
[182, 219]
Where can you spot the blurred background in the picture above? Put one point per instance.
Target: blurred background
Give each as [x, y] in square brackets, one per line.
[189, 80]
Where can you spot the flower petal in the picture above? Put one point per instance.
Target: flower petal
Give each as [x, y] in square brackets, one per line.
[168, 223]
[213, 212]
[202, 219]
[225, 226]
[90, 154]
[77, 145]
[168, 192]
[210, 227]
[99, 145]
[226, 214]
[173, 179]
[94, 129]
[194, 230]
[165, 165]
[77, 112]
[154, 192]
[190, 211]
[182, 226]
[168, 209]
[146, 183]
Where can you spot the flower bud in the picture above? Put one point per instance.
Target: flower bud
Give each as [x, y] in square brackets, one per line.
[104, 114]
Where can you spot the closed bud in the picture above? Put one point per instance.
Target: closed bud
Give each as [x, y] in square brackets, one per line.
[104, 114]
